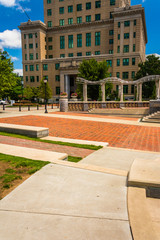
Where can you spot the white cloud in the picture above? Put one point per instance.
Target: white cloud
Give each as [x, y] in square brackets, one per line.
[14, 58]
[8, 3]
[10, 39]
[14, 3]
[19, 71]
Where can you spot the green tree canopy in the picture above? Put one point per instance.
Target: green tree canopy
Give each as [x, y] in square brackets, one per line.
[28, 93]
[42, 90]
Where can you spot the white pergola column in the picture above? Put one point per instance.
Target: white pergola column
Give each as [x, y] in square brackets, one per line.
[119, 91]
[158, 89]
[85, 92]
[67, 84]
[137, 97]
[140, 92]
[61, 82]
[103, 92]
[121, 98]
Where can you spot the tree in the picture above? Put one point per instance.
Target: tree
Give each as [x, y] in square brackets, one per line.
[42, 90]
[8, 79]
[28, 93]
[150, 67]
[17, 90]
[92, 71]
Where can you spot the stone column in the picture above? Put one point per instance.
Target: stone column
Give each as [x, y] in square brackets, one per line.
[85, 92]
[119, 91]
[61, 82]
[137, 97]
[158, 89]
[140, 92]
[67, 85]
[121, 98]
[103, 92]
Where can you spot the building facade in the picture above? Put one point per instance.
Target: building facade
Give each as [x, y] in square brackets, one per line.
[110, 30]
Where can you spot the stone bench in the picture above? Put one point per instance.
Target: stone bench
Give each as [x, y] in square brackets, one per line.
[30, 131]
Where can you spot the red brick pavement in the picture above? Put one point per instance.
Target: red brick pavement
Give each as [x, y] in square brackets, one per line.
[71, 151]
[117, 135]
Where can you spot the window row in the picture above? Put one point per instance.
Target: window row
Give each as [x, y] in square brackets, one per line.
[127, 23]
[125, 75]
[30, 35]
[125, 89]
[97, 3]
[30, 46]
[31, 56]
[125, 62]
[127, 35]
[80, 54]
[126, 48]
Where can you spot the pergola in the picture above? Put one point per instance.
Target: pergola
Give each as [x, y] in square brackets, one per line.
[120, 82]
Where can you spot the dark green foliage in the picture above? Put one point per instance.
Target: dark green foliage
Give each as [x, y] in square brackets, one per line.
[41, 93]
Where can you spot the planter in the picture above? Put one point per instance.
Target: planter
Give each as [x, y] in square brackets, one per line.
[73, 98]
[63, 102]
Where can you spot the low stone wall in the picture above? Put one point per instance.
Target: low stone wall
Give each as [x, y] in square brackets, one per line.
[154, 106]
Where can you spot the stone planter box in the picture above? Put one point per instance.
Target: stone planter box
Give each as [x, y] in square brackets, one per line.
[63, 101]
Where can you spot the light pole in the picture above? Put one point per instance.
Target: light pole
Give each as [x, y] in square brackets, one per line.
[45, 82]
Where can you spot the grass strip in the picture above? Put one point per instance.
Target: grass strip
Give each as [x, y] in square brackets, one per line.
[85, 146]
[74, 159]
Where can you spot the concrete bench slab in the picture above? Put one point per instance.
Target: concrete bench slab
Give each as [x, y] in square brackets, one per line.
[30, 131]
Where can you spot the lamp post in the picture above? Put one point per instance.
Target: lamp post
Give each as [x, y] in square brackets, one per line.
[45, 82]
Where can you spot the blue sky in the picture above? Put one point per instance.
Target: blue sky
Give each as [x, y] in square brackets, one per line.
[12, 15]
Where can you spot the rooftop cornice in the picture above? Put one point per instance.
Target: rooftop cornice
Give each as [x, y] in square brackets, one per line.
[32, 25]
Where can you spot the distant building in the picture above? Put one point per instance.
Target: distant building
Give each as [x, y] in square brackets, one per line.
[110, 30]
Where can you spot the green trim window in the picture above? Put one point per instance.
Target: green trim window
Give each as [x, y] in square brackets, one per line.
[126, 35]
[50, 56]
[57, 90]
[50, 39]
[70, 41]
[79, 19]
[70, 55]
[125, 75]
[88, 53]
[49, 12]
[111, 51]
[133, 61]
[36, 45]
[109, 63]
[70, 9]
[26, 68]
[37, 78]
[48, 1]
[118, 74]
[110, 74]
[97, 17]
[62, 55]
[134, 35]
[49, 23]
[62, 42]
[134, 47]
[61, 0]
[97, 38]
[31, 56]
[57, 65]
[112, 2]
[125, 89]
[132, 89]
[79, 7]
[88, 18]
[97, 4]
[37, 67]
[126, 48]
[30, 35]
[45, 67]
[61, 10]
[36, 35]
[57, 78]
[135, 22]
[79, 54]
[31, 78]
[25, 56]
[118, 62]
[119, 24]
[111, 16]
[50, 47]
[110, 41]
[126, 23]
[111, 32]
[79, 40]
[25, 46]
[30, 46]
[70, 21]
[36, 55]
[97, 53]
[119, 36]
[133, 74]
[26, 78]
[125, 61]
[88, 5]
[61, 22]
[24, 36]
[88, 39]
[118, 49]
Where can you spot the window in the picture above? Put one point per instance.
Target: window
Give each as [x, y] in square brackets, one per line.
[48, 1]
[109, 63]
[118, 75]
[35, 35]
[132, 89]
[30, 45]
[125, 75]
[118, 62]
[70, 8]
[110, 41]
[61, 22]
[97, 4]
[125, 61]
[79, 54]
[31, 78]
[36, 55]
[111, 16]
[61, 10]
[97, 53]
[133, 74]
[79, 7]
[119, 24]
[88, 39]
[70, 55]
[49, 12]
[26, 78]
[134, 47]
[25, 46]
[112, 2]
[49, 23]
[134, 35]
[50, 56]
[50, 47]
[31, 56]
[111, 32]
[126, 35]
[57, 90]
[126, 23]
[135, 22]
[45, 67]
[62, 55]
[36, 45]
[37, 78]
[37, 67]
[25, 56]
[110, 51]
[70, 21]
[125, 89]
[45, 47]
[57, 65]
[88, 5]
[26, 68]
[79, 19]
[57, 78]
[97, 38]
[118, 49]
[30, 35]
[119, 36]
[133, 61]
[110, 74]
[88, 53]
[79, 40]
[88, 18]
[24, 36]
[70, 41]
[62, 42]
[97, 17]
[126, 48]
[61, 0]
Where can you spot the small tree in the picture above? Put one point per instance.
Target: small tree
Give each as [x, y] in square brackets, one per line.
[28, 93]
[42, 90]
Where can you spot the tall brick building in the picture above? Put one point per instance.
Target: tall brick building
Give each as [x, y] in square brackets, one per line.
[110, 30]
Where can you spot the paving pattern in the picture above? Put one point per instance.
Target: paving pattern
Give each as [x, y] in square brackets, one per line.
[117, 135]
